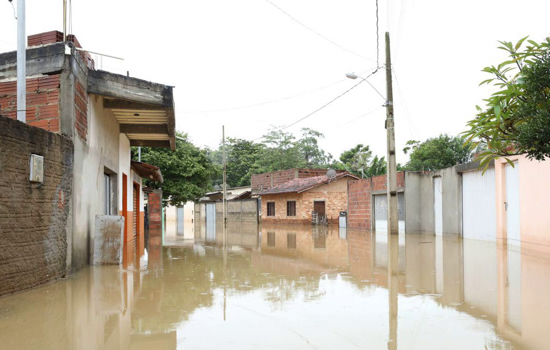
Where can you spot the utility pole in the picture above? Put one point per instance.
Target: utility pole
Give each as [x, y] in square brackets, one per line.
[393, 224]
[21, 63]
[224, 180]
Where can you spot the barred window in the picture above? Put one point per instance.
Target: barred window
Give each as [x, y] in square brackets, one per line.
[271, 209]
[291, 208]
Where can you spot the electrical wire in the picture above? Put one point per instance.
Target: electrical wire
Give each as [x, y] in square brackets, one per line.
[359, 117]
[230, 109]
[317, 110]
[14, 12]
[410, 122]
[377, 40]
[317, 33]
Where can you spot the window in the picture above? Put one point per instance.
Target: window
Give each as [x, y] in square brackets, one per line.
[109, 192]
[271, 209]
[291, 208]
[108, 203]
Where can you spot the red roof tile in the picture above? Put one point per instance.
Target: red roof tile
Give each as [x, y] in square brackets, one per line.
[304, 184]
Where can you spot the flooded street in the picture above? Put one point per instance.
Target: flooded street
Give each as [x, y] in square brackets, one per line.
[293, 287]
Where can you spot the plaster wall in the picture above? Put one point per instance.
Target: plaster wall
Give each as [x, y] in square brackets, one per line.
[99, 151]
[413, 217]
[451, 181]
[534, 192]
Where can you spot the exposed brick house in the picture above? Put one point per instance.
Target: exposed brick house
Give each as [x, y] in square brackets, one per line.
[103, 115]
[294, 201]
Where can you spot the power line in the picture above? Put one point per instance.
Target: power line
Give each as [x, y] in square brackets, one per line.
[317, 33]
[317, 110]
[230, 109]
[359, 117]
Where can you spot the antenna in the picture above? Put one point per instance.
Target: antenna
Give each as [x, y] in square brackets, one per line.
[331, 174]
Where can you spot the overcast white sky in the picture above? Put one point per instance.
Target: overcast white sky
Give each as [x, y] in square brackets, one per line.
[247, 65]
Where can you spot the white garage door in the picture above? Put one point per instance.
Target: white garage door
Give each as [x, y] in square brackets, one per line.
[381, 212]
[479, 205]
[438, 206]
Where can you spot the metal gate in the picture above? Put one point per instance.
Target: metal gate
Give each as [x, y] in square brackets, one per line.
[210, 222]
[479, 205]
[381, 212]
[179, 218]
[438, 206]
[135, 216]
[512, 204]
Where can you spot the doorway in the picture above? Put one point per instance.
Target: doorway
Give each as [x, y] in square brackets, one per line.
[319, 208]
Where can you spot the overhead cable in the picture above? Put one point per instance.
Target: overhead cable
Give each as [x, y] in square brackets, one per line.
[317, 33]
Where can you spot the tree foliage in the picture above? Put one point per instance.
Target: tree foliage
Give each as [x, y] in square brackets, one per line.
[437, 153]
[241, 155]
[516, 119]
[312, 154]
[280, 152]
[357, 159]
[187, 171]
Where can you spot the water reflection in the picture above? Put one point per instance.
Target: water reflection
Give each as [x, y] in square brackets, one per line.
[293, 287]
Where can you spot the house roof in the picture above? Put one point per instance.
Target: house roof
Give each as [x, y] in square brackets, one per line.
[144, 110]
[147, 171]
[305, 184]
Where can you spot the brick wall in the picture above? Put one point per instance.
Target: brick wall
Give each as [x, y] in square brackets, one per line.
[359, 204]
[42, 101]
[360, 197]
[81, 111]
[155, 213]
[33, 217]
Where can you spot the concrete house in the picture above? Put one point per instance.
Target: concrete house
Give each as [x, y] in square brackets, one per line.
[296, 200]
[99, 116]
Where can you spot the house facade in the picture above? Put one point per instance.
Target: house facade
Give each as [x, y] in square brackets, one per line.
[296, 201]
[103, 114]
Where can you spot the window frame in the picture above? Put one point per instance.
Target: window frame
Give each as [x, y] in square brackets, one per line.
[291, 208]
[270, 209]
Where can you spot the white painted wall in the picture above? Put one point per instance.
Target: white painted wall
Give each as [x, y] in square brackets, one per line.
[479, 205]
[438, 206]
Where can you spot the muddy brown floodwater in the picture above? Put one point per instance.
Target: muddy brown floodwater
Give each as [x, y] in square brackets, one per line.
[293, 287]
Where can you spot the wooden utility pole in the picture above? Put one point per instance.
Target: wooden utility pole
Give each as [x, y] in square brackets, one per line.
[393, 223]
[224, 180]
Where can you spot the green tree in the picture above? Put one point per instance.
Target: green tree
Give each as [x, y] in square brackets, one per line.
[187, 171]
[308, 145]
[516, 119]
[377, 166]
[357, 160]
[241, 155]
[437, 153]
[280, 152]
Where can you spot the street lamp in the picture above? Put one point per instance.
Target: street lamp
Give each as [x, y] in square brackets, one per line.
[393, 225]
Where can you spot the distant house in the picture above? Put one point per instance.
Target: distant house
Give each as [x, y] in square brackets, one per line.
[298, 200]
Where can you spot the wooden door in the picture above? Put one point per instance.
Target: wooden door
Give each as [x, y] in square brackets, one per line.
[319, 208]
